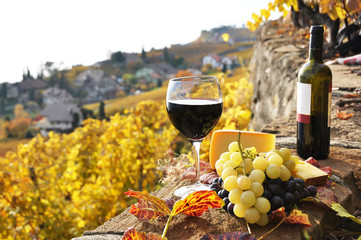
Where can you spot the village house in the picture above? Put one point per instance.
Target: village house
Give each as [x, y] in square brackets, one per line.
[212, 59]
[219, 62]
[59, 117]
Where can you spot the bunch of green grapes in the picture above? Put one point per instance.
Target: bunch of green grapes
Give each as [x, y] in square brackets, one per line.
[252, 185]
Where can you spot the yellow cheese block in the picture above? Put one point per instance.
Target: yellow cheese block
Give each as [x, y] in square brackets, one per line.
[310, 174]
[220, 140]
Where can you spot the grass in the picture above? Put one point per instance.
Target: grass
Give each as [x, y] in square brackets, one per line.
[115, 105]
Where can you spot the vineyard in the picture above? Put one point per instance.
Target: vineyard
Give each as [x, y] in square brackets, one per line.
[57, 187]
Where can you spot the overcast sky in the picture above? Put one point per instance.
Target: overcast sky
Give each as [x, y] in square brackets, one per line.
[86, 31]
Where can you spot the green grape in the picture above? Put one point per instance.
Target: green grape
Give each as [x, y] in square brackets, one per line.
[290, 165]
[275, 159]
[276, 151]
[251, 215]
[244, 182]
[225, 155]
[220, 161]
[229, 171]
[230, 182]
[263, 220]
[229, 164]
[273, 171]
[260, 163]
[295, 159]
[248, 198]
[285, 173]
[262, 205]
[285, 153]
[233, 147]
[269, 154]
[248, 164]
[236, 157]
[219, 169]
[234, 195]
[239, 210]
[262, 154]
[257, 176]
[257, 189]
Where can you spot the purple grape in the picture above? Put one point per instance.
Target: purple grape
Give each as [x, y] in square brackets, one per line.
[312, 190]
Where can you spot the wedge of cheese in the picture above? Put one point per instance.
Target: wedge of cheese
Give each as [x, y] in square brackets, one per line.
[310, 174]
[221, 139]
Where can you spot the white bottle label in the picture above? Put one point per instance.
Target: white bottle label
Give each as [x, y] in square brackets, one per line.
[304, 102]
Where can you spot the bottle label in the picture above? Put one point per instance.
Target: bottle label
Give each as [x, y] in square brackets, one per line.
[304, 102]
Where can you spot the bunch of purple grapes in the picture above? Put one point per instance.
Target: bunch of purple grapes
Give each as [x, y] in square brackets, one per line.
[279, 193]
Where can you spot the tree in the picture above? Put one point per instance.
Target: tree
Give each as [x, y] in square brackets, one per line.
[101, 111]
[144, 55]
[166, 57]
[117, 57]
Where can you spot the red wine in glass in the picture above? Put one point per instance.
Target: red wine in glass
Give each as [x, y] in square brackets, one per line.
[194, 106]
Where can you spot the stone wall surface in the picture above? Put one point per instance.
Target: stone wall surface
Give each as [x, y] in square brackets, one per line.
[277, 58]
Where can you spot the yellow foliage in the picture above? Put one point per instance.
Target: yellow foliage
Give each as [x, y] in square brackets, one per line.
[59, 186]
[334, 8]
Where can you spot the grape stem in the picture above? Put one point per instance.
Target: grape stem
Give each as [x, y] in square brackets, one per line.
[241, 152]
[248, 228]
[167, 225]
[264, 235]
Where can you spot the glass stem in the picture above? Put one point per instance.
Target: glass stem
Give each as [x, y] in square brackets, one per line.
[196, 146]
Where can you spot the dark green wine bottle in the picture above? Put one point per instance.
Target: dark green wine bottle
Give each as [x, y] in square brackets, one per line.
[314, 88]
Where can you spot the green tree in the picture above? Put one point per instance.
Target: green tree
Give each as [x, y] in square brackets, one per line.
[117, 57]
[4, 91]
[101, 111]
[166, 56]
[144, 55]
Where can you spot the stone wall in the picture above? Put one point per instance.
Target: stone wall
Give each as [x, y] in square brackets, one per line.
[278, 55]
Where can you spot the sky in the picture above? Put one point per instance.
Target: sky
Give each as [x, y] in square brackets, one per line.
[73, 32]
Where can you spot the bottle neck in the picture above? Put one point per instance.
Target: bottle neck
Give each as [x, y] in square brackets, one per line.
[316, 45]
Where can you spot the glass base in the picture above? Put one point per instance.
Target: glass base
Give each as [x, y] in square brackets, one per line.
[183, 192]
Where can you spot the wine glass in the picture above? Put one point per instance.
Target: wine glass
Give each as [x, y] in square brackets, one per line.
[194, 106]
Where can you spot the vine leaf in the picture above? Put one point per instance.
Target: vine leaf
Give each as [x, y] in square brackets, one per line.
[197, 203]
[295, 217]
[229, 236]
[148, 207]
[133, 234]
[343, 213]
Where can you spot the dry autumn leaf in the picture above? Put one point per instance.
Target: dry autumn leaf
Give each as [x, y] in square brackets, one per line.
[295, 217]
[133, 234]
[343, 213]
[148, 207]
[197, 203]
[344, 115]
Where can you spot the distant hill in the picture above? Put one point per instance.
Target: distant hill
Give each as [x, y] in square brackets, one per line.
[216, 35]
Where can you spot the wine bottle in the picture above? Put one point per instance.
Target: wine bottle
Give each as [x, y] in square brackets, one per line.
[314, 88]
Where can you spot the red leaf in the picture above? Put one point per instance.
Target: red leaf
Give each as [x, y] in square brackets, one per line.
[197, 203]
[148, 207]
[229, 236]
[133, 234]
[295, 217]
